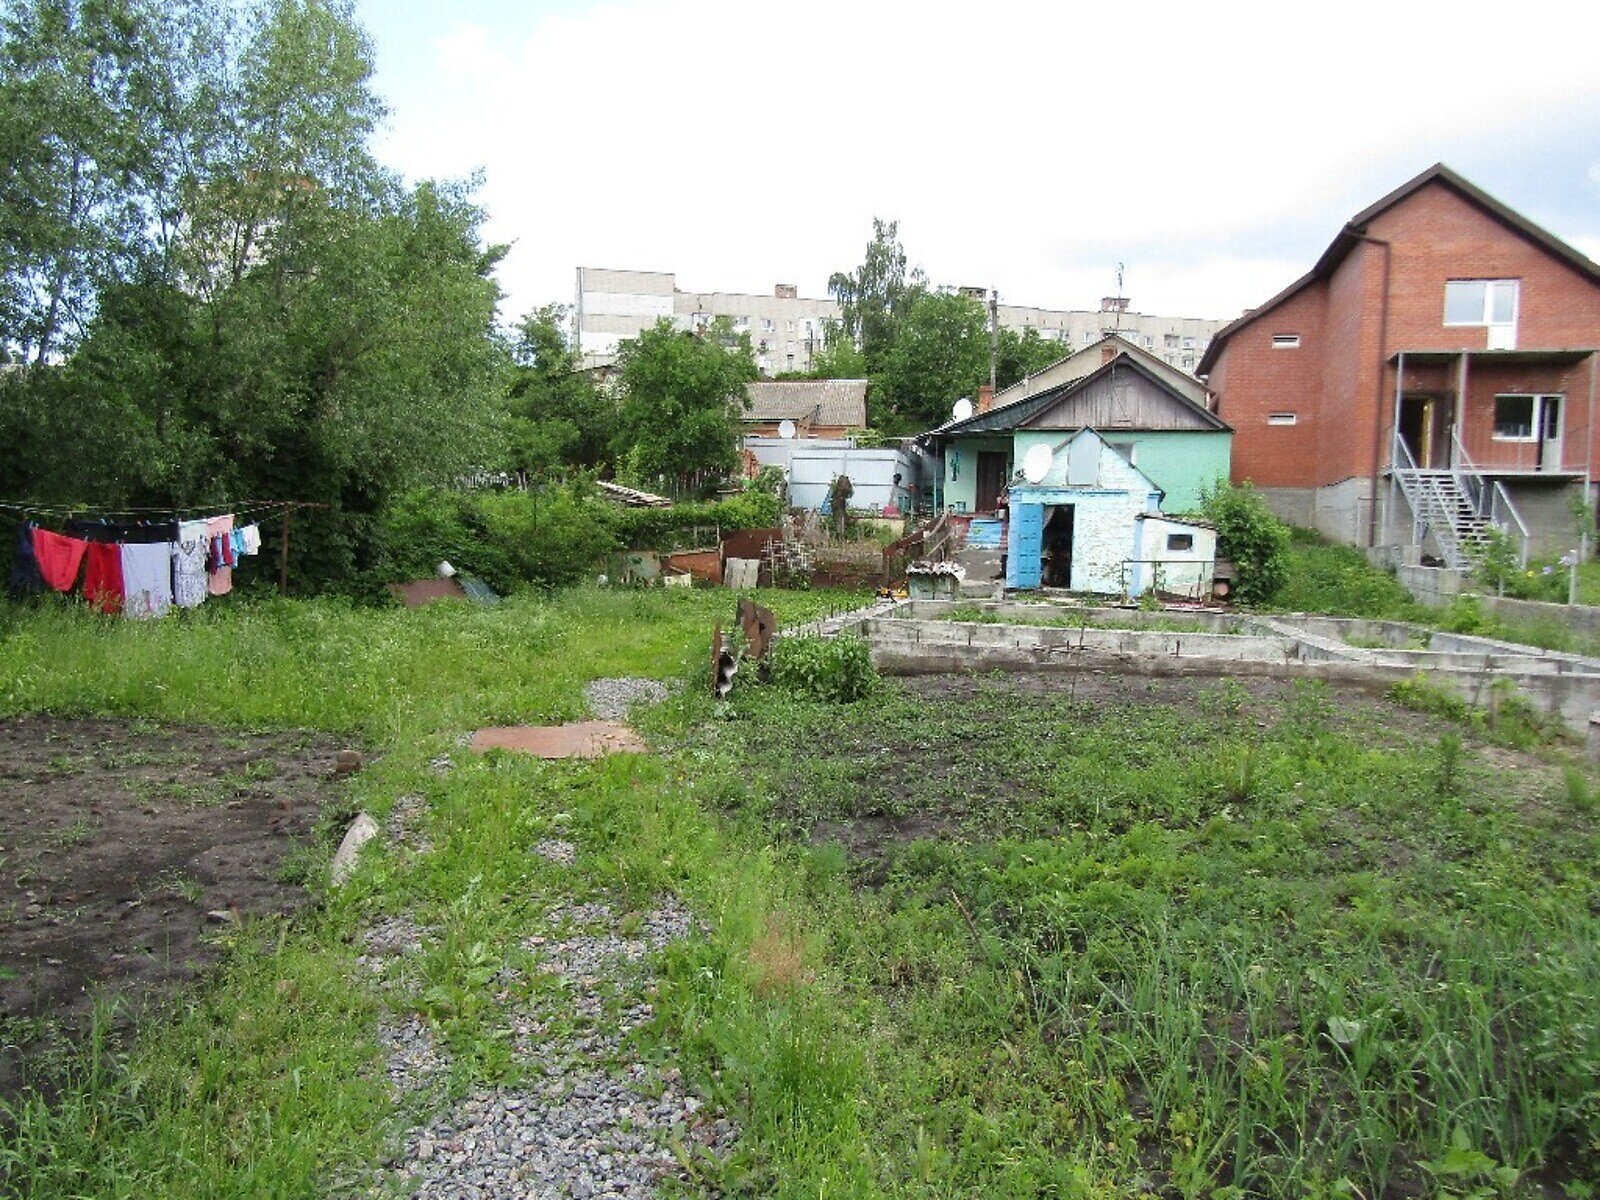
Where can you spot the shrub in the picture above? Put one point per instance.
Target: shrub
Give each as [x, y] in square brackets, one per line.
[1340, 579]
[547, 537]
[838, 669]
[1248, 535]
[661, 528]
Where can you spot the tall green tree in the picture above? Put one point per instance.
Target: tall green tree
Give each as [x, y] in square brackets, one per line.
[940, 353]
[1018, 355]
[80, 90]
[559, 419]
[682, 395]
[282, 319]
[876, 296]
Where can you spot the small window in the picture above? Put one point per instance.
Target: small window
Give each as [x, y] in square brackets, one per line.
[1480, 302]
[1282, 418]
[1170, 340]
[1180, 541]
[1286, 341]
[1188, 362]
[1188, 343]
[1521, 418]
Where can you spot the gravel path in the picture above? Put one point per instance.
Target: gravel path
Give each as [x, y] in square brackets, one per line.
[589, 1123]
[611, 699]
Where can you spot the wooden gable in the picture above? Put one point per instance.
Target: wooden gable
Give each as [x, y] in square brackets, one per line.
[1121, 396]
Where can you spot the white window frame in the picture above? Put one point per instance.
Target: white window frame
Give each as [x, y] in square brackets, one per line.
[1502, 334]
[1286, 341]
[1536, 413]
[1283, 418]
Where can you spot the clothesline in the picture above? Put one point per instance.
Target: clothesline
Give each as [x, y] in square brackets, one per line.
[241, 508]
[142, 560]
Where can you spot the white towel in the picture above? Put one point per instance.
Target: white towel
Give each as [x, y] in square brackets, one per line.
[146, 578]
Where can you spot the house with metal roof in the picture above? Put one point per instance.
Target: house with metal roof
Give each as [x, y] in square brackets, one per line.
[813, 408]
[1154, 416]
[1433, 377]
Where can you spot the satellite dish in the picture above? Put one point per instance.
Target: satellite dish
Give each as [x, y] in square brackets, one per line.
[1036, 463]
[786, 428]
[962, 410]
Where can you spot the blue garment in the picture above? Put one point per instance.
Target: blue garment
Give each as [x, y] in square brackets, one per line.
[25, 577]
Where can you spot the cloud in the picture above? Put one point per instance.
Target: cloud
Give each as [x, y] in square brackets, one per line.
[1027, 146]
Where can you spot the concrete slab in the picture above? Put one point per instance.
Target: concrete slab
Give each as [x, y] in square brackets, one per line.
[579, 739]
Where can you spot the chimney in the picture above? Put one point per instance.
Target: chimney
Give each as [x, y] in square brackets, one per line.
[1107, 353]
[985, 398]
[786, 291]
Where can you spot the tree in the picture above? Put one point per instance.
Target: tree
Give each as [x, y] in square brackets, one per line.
[1020, 355]
[682, 394]
[876, 295]
[559, 418]
[940, 353]
[282, 320]
[839, 358]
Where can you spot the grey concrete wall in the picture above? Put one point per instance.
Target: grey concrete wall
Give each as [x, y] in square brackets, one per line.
[1297, 506]
[1546, 509]
[1341, 511]
[1580, 618]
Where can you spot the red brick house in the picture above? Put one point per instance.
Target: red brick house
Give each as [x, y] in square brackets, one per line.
[1432, 375]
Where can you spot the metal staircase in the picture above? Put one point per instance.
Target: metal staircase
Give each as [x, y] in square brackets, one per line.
[1459, 507]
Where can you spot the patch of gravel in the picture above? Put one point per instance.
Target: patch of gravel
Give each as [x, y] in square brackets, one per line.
[563, 854]
[405, 824]
[389, 940]
[577, 1128]
[415, 1061]
[611, 699]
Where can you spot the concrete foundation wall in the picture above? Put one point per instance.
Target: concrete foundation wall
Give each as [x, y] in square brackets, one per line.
[911, 638]
[1580, 618]
[1297, 506]
[1546, 509]
[1342, 511]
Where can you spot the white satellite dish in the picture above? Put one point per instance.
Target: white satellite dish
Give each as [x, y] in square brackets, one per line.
[1036, 463]
[786, 428]
[962, 410]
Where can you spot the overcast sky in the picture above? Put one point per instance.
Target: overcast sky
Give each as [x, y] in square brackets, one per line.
[1214, 149]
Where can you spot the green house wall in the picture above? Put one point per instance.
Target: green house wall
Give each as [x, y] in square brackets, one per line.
[961, 469]
[1179, 462]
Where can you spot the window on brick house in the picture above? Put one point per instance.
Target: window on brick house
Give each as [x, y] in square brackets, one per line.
[1486, 302]
[1286, 341]
[1521, 418]
[1282, 418]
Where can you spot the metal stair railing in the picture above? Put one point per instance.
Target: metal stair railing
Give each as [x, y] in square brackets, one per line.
[1494, 502]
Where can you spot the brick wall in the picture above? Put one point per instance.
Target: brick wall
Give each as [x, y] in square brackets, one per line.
[1343, 404]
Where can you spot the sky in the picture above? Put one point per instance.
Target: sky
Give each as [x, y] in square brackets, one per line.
[1213, 149]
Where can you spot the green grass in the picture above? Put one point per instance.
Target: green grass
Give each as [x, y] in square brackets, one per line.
[1218, 942]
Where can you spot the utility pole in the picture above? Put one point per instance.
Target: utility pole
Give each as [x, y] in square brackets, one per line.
[994, 337]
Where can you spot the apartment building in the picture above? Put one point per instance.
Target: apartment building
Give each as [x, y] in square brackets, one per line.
[787, 330]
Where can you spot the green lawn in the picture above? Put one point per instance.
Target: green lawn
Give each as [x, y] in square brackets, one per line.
[1094, 938]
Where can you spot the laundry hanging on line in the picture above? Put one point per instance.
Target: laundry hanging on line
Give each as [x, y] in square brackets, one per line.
[139, 568]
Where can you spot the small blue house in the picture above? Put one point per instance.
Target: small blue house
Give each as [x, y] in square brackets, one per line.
[1085, 518]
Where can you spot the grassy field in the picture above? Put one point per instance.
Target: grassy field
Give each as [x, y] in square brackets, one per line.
[1089, 937]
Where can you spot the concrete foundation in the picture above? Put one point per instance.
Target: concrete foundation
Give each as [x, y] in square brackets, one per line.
[917, 637]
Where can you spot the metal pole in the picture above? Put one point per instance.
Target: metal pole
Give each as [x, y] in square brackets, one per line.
[994, 339]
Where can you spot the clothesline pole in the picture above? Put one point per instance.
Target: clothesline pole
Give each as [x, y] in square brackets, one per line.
[283, 554]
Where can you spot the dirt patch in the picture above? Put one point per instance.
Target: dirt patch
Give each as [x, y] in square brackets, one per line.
[124, 848]
[578, 739]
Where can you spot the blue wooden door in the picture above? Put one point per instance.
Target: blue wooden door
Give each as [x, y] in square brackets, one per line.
[1027, 545]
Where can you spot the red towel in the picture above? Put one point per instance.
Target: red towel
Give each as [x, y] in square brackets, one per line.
[102, 582]
[59, 558]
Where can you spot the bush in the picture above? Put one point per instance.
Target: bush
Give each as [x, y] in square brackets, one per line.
[546, 538]
[838, 669]
[1248, 535]
[660, 528]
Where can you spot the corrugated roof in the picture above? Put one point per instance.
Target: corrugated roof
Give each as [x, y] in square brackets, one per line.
[1019, 412]
[826, 401]
[1356, 228]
